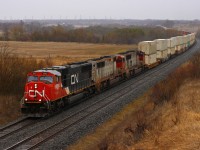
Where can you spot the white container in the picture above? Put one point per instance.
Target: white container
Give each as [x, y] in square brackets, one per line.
[190, 36]
[173, 42]
[185, 39]
[188, 40]
[180, 43]
[171, 45]
[162, 55]
[150, 59]
[172, 50]
[161, 44]
[193, 37]
[148, 47]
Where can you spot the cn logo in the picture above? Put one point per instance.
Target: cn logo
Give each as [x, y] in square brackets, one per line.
[74, 79]
[34, 93]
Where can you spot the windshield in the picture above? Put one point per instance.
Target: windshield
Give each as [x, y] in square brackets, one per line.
[32, 78]
[46, 79]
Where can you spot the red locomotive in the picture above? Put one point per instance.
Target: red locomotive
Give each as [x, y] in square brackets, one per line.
[43, 88]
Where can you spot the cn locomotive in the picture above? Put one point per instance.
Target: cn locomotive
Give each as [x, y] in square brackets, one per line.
[51, 89]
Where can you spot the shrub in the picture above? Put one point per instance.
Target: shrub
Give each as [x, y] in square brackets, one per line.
[14, 69]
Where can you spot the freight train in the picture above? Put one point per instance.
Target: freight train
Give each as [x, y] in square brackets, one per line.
[51, 89]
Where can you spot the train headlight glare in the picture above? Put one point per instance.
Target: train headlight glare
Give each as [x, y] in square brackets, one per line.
[40, 100]
[35, 86]
[26, 99]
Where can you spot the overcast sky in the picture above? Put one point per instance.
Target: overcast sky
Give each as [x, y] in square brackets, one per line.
[100, 9]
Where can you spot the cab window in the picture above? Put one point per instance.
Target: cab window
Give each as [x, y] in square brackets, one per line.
[32, 78]
[46, 79]
[119, 60]
[57, 79]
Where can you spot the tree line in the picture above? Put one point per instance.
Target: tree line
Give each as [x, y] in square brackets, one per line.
[94, 34]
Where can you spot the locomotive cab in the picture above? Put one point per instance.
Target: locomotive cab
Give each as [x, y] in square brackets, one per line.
[42, 88]
[120, 61]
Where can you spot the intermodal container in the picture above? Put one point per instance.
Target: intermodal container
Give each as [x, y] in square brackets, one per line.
[171, 46]
[161, 44]
[150, 59]
[148, 47]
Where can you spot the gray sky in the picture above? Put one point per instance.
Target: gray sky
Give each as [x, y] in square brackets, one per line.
[100, 9]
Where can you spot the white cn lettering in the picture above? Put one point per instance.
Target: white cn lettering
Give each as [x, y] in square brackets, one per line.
[74, 78]
[33, 93]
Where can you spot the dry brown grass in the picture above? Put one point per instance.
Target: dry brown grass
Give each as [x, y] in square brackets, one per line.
[63, 52]
[13, 74]
[9, 108]
[176, 125]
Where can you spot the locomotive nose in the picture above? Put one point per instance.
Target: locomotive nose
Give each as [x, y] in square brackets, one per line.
[35, 92]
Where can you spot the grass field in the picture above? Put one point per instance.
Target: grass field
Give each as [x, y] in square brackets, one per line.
[62, 52]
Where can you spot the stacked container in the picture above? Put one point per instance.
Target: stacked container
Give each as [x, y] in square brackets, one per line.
[180, 43]
[171, 46]
[192, 38]
[186, 41]
[149, 48]
[162, 49]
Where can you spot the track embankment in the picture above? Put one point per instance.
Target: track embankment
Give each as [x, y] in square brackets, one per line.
[175, 124]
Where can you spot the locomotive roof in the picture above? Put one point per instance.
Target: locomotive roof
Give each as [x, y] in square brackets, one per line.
[79, 64]
[101, 58]
[60, 67]
[106, 56]
[49, 71]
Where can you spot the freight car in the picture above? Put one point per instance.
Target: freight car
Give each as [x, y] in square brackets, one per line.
[51, 89]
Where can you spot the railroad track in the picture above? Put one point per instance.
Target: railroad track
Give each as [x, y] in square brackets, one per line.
[15, 127]
[50, 132]
[12, 124]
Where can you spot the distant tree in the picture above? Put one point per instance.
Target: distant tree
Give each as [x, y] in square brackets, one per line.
[17, 33]
[95, 34]
[168, 23]
[5, 33]
[58, 33]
